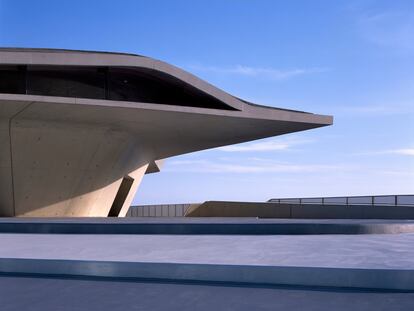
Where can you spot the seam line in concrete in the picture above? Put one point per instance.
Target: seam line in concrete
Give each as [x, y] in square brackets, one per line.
[11, 152]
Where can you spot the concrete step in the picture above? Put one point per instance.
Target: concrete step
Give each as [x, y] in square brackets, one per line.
[224, 226]
[383, 279]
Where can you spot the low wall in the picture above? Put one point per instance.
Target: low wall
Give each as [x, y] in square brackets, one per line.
[276, 210]
[159, 210]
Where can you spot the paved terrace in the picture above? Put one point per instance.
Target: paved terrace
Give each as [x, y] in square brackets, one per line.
[384, 261]
[111, 264]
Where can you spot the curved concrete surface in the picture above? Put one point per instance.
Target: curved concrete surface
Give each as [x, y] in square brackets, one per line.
[68, 156]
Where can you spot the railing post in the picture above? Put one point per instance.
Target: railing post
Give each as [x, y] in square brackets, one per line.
[300, 201]
[323, 201]
[347, 201]
[372, 200]
[396, 200]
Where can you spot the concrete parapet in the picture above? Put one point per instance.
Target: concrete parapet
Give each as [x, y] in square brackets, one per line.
[314, 211]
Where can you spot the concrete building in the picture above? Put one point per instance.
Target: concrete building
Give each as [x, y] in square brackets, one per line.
[78, 130]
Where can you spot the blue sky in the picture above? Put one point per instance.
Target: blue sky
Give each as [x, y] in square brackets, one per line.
[351, 59]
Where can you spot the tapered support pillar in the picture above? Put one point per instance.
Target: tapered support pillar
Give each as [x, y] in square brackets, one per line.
[67, 169]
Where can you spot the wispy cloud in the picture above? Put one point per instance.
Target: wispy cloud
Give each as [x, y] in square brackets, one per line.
[255, 165]
[392, 108]
[402, 151]
[392, 28]
[405, 151]
[271, 73]
[273, 145]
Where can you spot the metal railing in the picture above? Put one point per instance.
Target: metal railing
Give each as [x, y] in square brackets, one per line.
[161, 210]
[383, 200]
[179, 210]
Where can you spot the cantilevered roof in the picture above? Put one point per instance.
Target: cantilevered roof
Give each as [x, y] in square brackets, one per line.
[169, 129]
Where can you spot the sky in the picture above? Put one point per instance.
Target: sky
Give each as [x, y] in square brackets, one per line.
[350, 59]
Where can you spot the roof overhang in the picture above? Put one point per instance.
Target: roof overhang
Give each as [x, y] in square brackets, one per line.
[168, 130]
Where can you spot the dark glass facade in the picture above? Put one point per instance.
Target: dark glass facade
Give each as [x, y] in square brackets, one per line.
[121, 84]
[13, 79]
[66, 82]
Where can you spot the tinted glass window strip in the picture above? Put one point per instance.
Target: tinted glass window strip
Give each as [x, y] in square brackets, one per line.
[150, 86]
[66, 82]
[13, 79]
[122, 84]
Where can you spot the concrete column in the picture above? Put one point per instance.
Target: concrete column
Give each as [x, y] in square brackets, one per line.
[137, 175]
[69, 169]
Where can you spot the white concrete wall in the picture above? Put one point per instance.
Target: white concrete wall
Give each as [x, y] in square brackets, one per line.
[70, 169]
[55, 168]
[7, 112]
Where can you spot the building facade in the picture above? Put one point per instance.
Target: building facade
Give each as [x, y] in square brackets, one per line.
[79, 129]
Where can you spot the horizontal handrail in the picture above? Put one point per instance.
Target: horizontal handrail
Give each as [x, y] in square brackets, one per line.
[383, 200]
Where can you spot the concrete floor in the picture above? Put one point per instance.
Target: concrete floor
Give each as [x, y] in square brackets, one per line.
[382, 251]
[387, 252]
[25, 293]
